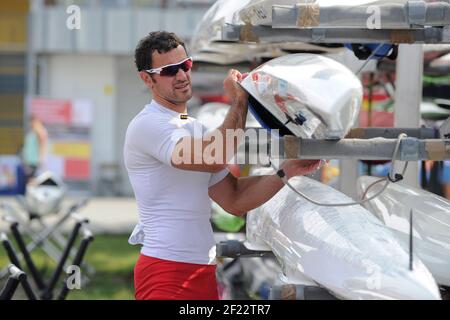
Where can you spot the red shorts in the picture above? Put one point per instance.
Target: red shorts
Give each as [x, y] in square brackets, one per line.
[156, 279]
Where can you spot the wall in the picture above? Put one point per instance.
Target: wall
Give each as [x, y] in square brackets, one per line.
[13, 38]
[113, 31]
[90, 77]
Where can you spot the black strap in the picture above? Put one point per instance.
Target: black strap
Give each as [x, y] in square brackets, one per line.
[281, 173]
[363, 52]
[398, 177]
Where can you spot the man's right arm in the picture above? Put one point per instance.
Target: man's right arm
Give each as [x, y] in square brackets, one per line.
[207, 154]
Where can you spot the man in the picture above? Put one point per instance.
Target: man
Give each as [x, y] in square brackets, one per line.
[173, 196]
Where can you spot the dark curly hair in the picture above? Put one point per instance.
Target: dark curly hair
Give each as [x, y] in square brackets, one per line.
[162, 41]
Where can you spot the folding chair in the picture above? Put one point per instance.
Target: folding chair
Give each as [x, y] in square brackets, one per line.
[16, 277]
[48, 237]
[46, 288]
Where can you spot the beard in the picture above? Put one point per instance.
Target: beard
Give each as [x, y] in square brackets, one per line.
[182, 94]
[177, 94]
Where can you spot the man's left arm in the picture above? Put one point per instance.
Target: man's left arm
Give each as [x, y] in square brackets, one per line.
[240, 195]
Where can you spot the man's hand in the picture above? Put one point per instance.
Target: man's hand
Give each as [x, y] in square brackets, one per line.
[294, 168]
[195, 160]
[232, 88]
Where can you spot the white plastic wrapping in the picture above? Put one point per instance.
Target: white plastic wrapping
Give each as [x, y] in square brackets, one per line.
[209, 30]
[431, 222]
[206, 42]
[256, 12]
[310, 95]
[346, 250]
[361, 14]
[44, 195]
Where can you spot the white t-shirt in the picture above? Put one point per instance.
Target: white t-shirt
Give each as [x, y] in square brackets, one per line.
[174, 206]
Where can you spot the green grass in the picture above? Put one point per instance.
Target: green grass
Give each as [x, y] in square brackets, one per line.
[113, 260]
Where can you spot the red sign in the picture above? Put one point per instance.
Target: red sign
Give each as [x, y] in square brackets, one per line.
[52, 111]
[77, 169]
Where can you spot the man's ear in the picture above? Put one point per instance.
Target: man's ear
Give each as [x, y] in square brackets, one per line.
[148, 80]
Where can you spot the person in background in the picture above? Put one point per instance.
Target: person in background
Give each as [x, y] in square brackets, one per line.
[35, 148]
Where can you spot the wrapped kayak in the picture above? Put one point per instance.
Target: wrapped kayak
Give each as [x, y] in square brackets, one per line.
[431, 222]
[343, 249]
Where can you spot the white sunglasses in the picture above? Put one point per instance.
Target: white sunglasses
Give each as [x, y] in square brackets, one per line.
[171, 70]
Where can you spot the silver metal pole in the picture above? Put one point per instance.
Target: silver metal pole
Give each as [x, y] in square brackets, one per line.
[349, 174]
[409, 149]
[408, 97]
